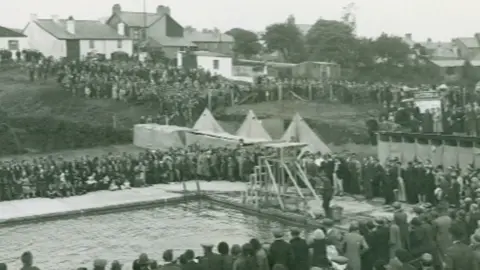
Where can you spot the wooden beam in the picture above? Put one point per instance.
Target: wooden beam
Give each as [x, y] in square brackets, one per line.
[304, 177]
[275, 186]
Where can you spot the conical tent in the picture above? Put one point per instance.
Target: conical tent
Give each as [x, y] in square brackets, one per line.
[206, 122]
[252, 128]
[299, 131]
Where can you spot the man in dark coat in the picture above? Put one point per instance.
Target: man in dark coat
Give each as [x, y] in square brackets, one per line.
[380, 243]
[459, 256]
[210, 260]
[281, 252]
[327, 195]
[300, 251]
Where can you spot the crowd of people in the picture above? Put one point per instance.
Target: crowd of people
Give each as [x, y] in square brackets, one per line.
[434, 238]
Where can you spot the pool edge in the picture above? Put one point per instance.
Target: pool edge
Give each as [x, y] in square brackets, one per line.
[100, 210]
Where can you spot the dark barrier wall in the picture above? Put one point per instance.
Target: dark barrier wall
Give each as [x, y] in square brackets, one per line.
[440, 149]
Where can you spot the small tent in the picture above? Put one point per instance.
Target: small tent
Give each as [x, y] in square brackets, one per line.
[206, 123]
[252, 128]
[299, 131]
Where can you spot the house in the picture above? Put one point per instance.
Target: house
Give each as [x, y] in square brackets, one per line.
[215, 63]
[161, 30]
[451, 70]
[12, 40]
[468, 47]
[75, 39]
[433, 49]
[213, 41]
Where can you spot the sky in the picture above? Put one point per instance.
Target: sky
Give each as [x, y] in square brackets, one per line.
[440, 20]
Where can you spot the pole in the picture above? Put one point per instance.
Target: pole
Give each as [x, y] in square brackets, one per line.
[209, 99]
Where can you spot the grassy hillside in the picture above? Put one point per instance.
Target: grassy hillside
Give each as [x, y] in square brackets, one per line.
[20, 97]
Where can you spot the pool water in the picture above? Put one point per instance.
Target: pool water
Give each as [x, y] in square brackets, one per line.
[71, 243]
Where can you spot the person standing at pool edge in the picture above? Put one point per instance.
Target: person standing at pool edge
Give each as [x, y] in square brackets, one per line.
[27, 261]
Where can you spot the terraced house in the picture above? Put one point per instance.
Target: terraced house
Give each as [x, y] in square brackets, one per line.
[161, 30]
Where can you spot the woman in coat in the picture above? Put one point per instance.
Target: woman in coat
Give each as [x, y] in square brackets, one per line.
[355, 245]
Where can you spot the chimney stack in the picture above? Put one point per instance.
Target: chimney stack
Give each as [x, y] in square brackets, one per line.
[121, 29]
[55, 18]
[408, 36]
[116, 8]
[429, 40]
[71, 25]
[163, 10]
[33, 17]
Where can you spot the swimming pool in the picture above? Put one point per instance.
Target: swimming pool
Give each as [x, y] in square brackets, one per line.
[71, 243]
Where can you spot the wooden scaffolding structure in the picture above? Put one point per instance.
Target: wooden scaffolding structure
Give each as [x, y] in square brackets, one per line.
[275, 175]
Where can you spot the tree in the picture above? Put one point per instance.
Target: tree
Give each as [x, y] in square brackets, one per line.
[469, 75]
[287, 39]
[189, 28]
[246, 42]
[392, 50]
[332, 41]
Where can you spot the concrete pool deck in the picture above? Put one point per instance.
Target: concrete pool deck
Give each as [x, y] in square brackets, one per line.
[40, 209]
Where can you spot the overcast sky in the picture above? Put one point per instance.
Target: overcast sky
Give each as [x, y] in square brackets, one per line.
[436, 19]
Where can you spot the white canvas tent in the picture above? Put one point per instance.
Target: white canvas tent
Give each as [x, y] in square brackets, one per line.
[299, 131]
[207, 125]
[154, 136]
[252, 128]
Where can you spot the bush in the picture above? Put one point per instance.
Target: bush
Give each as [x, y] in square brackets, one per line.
[5, 55]
[47, 134]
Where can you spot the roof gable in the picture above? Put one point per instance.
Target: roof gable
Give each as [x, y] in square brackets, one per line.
[84, 29]
[137, 19]
[7, 32]
[469, 42]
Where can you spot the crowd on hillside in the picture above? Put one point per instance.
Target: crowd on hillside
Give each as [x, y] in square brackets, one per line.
[435, 238]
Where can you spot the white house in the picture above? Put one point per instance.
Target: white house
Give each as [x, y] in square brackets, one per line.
[12, 40]
[75, 39]
[216, 63]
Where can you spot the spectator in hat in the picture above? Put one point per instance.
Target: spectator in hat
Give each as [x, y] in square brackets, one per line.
[27, 261]
[210, 259]
[246, 261]
[332, 235]
[300, 250]
[420, 239]
[169, 262]
[475, 245]
[355, 246]
[319, 247]
[280, 251]
[116, 265]
[190, 264]
[141, 263]
[380, 243]
[261, 255]
[224, 251]
[99, 264]
[459, 256]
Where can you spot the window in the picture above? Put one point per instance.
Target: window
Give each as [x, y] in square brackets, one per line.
[92, 44]
[119, 44]
[13, 45]
[216, 64]
[450, 70]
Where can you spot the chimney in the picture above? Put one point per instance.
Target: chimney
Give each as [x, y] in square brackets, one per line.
[408, 36]
[55, 18]
[116, 8]
[71, 25]
[162, 10]
[33, 17]
[121, 28]
[429, 40]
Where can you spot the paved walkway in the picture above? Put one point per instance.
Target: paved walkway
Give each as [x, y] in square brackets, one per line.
[40, 206]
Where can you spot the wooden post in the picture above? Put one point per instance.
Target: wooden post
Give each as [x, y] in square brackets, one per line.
[167, 120]
[114, 119]
[310, 92]
[232, 97]
[209, 99]
[198, 187]
[184, 187]
[280, 92]
[330, 91]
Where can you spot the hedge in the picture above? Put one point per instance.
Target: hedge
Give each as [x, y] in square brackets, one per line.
[45, 134]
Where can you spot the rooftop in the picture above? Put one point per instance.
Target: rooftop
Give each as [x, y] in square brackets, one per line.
[8, 32]
[470, 42]
[84, 29]
[138, 19]
[209, 54]
[196, 36]
[454, 63]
